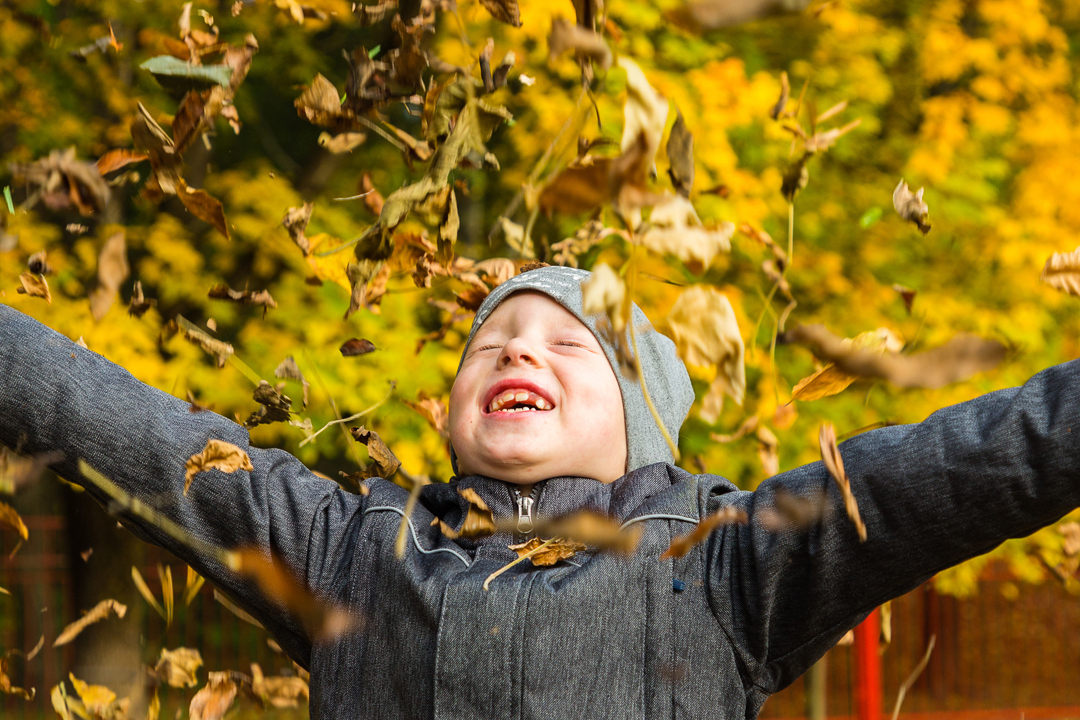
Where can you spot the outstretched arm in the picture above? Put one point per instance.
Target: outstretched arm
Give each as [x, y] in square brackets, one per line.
[57, 396]
[931, 495]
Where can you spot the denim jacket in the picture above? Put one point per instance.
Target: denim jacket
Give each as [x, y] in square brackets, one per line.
[598, 636]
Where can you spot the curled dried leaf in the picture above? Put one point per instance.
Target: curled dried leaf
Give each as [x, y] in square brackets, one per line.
[295, 222]
[723, 517]
[34, 286]
[9, 517]
[504, 11]
[356, 346]
[112, 270]
[831, 380]
[38, 264]
[910, 206]
[221, 291]
[834, 463]
[6, 688]
[1062, 271]
[288, 368]
[680, 152]
[222, 351]
[177, 668]
[478, 519]
[384, 463]
[584, 43]
[675, 229]
[706, 332]
[434, 411]
[215, 698]
[280, 692]
[217, 455]
[543, 553]
[99, 612]
[139, 303]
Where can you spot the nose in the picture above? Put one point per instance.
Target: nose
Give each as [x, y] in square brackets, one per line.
[518, 352]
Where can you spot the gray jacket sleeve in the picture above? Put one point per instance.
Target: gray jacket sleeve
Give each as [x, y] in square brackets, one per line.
[931, 495]
[57, 396]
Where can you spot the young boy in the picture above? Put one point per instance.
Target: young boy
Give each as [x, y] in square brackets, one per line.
[542, 425]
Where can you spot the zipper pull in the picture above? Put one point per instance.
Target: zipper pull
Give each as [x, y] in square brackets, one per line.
[525, 509]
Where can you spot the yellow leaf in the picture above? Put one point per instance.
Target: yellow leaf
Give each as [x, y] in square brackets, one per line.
[605, 292]
[217, 455]
[830, 380]
[35, 286]
[99, 612]
[9, 517]
[214, 699]
[706, 332]
[178, 667]
[1063, 272]
[144, 590]
[546, 553]
[645, 111]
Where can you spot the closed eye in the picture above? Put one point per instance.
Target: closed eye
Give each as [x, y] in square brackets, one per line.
[570, 343]
[487, 347]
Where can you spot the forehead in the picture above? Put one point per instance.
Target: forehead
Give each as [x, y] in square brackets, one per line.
[531, 306]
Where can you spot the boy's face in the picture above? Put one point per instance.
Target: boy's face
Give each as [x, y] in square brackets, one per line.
[536, 398]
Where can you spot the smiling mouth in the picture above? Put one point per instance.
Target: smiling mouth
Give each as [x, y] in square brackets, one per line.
[518, 400]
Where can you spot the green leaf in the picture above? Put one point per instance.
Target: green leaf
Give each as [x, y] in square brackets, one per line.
[175, 74]
[7, 196]
[870, 217]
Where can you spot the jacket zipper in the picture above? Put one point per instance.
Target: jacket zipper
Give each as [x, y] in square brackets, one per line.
[525, 507]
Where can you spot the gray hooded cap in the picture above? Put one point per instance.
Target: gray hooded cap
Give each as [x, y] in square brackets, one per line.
[666, 376]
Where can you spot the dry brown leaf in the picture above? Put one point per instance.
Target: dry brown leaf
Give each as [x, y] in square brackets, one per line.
[215, 698]
[605, 292]
[112, 270]
[36, 649]
[203, 206]
[580, 187]
[675, 229]
[543, 553]
[139, 303]
[62, 181]
[684, 543]
[824, 140]
[97, 701]
[177, 668]
[958, 359]
[907, 295]
[356, 346]
[434, 411]
[791, 511]
[1062, 271]
[325, 621]
[279, 692]
[39, 264]
[217, 455]
[478, 520]
[768, 450]
[165, 161]
[17, 471]
[830, 380]
[34, 286]
[113, 160]
[910, 206]
[6, 688]
[221, 291]
[504, 11]
[384, 462]
[342, 142]
[99, 612]
[287, 368]
[222, 351]
[748, 426]
[590, 528]
[644, 113]
[680, 153]
[9, 517]
[583, 42]
[320, 103]
[834, 463]
[295, 222]
[706, 332]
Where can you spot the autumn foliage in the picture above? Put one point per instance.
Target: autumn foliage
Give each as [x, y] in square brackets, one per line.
[286, 212]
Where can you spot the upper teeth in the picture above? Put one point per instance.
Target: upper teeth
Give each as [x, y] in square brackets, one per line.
[510, 397]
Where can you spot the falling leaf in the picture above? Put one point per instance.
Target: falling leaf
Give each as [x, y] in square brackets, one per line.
[356, 346]
[706, 332]
[9, 517]
[217, 455]
[680, 153]
[97, 701]
[236, 609]
[958, 359]
[911, 206]
[785, 90]
[583, 42]
[165, 162]
[203, 206]
[359, 274]
[721, 518]
[644, 113]
[195, 582]
[34, 286]
[504, 11]
[478, 519]
[215, 698]
[605, 292]
[748, 426]
[768, 450]
[295, 222]
[177, 668]
[908, 296]
[590, 528]
[279, 692]
[112, 270]
[222, 351]
[834, 463]
[139, 304]
[287, 368]
[384, 462]
[85, 554]
[578, 188]
[274, 407]
[712, 403]
[99, 612]
[6, 688]
[325, 621]
[116, 159]
[546, 553]
[675, 229]
[144, 590]
[790, 511]
[62, 181]
[795, 178]
[39, 264]
[342, 142]
[36, 649]
[245, 297]
[1062, 271]
[173, 73]
[17, 471]
[434, 411]
[831, 380]
[823, 140]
